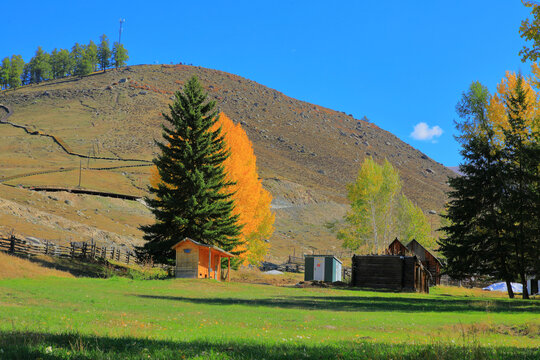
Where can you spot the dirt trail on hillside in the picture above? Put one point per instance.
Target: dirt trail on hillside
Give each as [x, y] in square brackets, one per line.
[59, 141]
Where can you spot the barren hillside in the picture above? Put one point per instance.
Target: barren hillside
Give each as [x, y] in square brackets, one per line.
[306, 154]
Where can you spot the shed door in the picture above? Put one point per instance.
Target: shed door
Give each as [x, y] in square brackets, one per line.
[337, 275]
[318, 271]
[187, 262]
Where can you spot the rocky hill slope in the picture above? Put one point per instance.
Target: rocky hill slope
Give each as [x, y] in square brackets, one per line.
[306, 153]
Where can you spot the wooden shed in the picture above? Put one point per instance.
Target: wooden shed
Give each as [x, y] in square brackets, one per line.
[430, 261]
[322, 268]
[199, 261]
[396, 247]
[393, 272]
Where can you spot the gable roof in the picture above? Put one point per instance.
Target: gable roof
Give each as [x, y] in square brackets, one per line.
[426, 250]
[396, 241]
[228, 254]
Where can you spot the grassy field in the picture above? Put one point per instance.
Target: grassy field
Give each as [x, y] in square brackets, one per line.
[118, 318]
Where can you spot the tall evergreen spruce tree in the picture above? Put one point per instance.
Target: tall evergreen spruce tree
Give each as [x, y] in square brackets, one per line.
[476, 242]
[193, 198]
[522, 156]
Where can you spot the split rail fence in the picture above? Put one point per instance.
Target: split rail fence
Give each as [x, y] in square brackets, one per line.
[81, 250]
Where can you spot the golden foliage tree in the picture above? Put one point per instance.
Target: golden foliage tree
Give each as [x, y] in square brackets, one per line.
[530, 112]
[252, 201]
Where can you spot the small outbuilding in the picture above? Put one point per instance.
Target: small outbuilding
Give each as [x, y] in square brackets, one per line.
[200, 261]
[394, 272]
[322, 268]
[430, 261]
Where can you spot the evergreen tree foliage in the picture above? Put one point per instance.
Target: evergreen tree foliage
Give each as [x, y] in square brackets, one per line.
[493, 215]
[40, 66]
[15, 71]
[4, 73]
[91, 55]
[119, 55]
[81, 62]
[475, 242]
[522, 201]
[61, 64]
[193, 198]
[26, 75]
[104, 53]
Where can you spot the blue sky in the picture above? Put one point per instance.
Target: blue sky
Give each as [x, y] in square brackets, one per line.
[400, 63]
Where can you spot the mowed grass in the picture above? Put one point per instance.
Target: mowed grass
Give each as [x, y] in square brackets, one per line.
[82, 318]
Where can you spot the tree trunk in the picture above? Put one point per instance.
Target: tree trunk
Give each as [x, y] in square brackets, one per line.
[509, 288]
[525, 295]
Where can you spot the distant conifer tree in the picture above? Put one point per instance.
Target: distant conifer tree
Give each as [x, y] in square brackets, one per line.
[91, 55]
[193, 198]
[119, 55]
[104, 53]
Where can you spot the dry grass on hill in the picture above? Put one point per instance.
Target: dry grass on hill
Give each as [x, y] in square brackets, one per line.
[12, 267]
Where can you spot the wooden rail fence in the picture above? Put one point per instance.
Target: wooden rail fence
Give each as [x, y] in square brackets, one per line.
[81, 250]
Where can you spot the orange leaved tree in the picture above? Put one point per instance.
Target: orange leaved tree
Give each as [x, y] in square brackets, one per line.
[251, 200]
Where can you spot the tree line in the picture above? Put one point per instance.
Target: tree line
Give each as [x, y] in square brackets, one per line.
[79, 61]
[494, 212]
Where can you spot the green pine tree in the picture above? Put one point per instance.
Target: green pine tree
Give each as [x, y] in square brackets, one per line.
[40, 66]
[119, 55]
[193, 200]
[475, 241]
[4, 73]
[15, 71]
[104, 53]
[91, 55]
[522, 201]
[61, 64]
[81, 62]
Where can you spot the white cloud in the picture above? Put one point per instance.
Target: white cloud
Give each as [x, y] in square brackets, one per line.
[422, 131]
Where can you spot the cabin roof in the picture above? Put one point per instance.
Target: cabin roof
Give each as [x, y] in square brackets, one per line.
[396, 240]
[223, 252]
[423, 247]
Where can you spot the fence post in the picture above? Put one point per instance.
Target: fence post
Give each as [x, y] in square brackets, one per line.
[84, 249]
[118, 255]
[72, 250]
[112, 254]
[12, 244]
[127, 257]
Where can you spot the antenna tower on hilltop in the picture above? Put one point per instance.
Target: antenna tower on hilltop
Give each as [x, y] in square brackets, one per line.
[120, 32]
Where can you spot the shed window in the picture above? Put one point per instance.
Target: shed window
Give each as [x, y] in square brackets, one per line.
[187, 251]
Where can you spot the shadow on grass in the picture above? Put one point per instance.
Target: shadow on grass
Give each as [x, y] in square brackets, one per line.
[34, 345]
[368, 303]
[76, 267]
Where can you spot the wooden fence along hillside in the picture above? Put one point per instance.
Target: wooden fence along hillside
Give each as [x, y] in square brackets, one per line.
[81, 250]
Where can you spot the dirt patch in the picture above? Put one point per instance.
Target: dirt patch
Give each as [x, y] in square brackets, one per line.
[255, 276]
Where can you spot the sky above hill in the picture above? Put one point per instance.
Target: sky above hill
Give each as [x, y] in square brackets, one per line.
[403, 64]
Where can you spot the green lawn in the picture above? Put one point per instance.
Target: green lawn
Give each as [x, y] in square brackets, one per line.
[118, 318]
